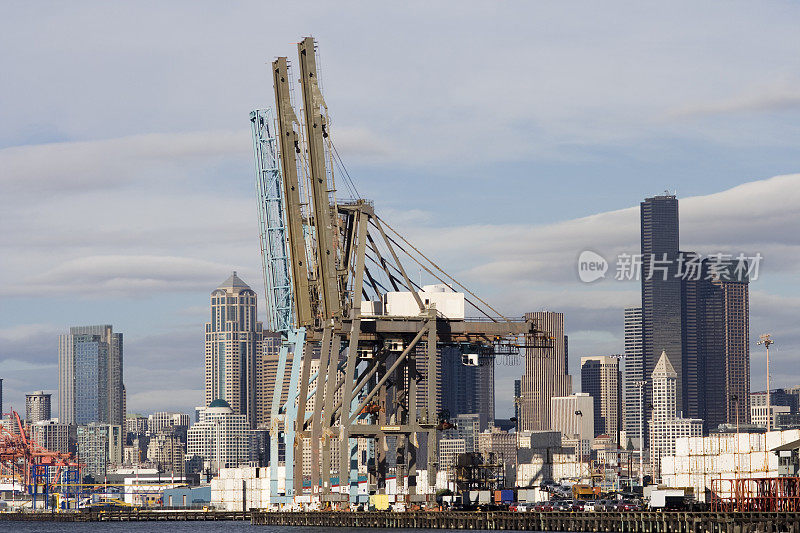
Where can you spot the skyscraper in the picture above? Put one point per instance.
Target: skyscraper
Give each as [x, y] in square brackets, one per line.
[90, 385]
[37, 407]
[665, 427]
[601, 379]
[467, 386]
[633, 371]
[716, 344]
[545, 373]
[233, 342]
[661, 288]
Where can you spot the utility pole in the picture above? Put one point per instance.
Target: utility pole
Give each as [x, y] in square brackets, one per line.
[640, 385]
[766, 340]
[579, 414]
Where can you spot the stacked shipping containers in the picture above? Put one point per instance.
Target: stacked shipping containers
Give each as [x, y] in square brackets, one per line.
[698, 460]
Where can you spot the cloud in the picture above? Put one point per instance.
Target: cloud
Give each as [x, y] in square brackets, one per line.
[768, 100]
[116, 275]
[72, 167]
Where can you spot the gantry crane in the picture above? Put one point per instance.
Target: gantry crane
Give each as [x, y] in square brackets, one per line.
[327, 266]
[39, 470]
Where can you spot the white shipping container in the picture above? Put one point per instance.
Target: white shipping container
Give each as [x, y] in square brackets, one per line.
[667, 465]
[682, 446]
[683, 465]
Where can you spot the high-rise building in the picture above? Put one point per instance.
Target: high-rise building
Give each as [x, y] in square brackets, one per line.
[37, 407]
[665, 427]
[164, 420]
[573, 416]
[633, 371]
[100, 445]
[266, 377]
[661, 289]
[166, 451]
[135, 425]
[449, 450]
[601, 379]
[545, 373]
[54, 435]
[90, 385]
[467, 383]
[233, 343]
[495, 444]
[220, 440]
[517, 399]
[716, 377]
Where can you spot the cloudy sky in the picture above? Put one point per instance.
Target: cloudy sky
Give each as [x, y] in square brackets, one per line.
[502, 138]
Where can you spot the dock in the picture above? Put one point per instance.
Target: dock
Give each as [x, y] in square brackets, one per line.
[621, 522]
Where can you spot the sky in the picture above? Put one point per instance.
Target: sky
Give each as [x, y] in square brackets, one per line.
[502, 138]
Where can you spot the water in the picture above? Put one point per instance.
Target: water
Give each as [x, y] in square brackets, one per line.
[171, 527]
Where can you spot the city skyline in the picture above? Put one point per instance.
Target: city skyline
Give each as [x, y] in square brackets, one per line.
[148, 268]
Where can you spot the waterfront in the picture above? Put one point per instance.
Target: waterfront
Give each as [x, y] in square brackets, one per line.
[172, 527]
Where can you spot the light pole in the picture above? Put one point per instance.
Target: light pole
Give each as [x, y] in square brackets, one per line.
[640, 385]
[735, 398]
[766, 340]
[579, 414]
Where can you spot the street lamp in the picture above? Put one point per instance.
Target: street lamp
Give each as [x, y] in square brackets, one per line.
[766, 340]
[640, 385]
[579, 414]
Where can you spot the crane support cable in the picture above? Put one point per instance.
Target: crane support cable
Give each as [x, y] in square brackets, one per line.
[438, 268]
[473, 304]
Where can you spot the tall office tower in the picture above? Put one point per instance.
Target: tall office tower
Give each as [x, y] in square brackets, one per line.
[600, 379]
[633, 371]
[467, 383]
[54, 435]
[100, 445]
[545, 373]
[37, 407]
[115, 390]
[220, 440]
[517, 399]
[573, 416]
[90, 376]
[233, 341]
[266, 376]
[661, 289]
[665, 426]
[716, 343]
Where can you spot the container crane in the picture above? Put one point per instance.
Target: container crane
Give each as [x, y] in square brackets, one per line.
[328, 266]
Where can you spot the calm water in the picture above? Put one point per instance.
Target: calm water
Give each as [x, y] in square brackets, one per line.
[170, 527]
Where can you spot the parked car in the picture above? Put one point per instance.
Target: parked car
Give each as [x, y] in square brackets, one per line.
[562, 505]
[579, 505]
[628, 505]
[543, 507]
[591, 506]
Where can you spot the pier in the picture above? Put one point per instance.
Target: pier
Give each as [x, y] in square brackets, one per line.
[626, 522]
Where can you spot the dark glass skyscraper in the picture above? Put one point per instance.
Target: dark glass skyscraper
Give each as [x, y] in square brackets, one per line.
[697, 311]
[661, 289]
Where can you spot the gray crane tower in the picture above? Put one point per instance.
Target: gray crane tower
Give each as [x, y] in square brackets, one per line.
[329, 267]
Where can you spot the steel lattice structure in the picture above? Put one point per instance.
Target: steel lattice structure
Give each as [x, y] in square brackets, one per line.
[39, 470]
[341, 254]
